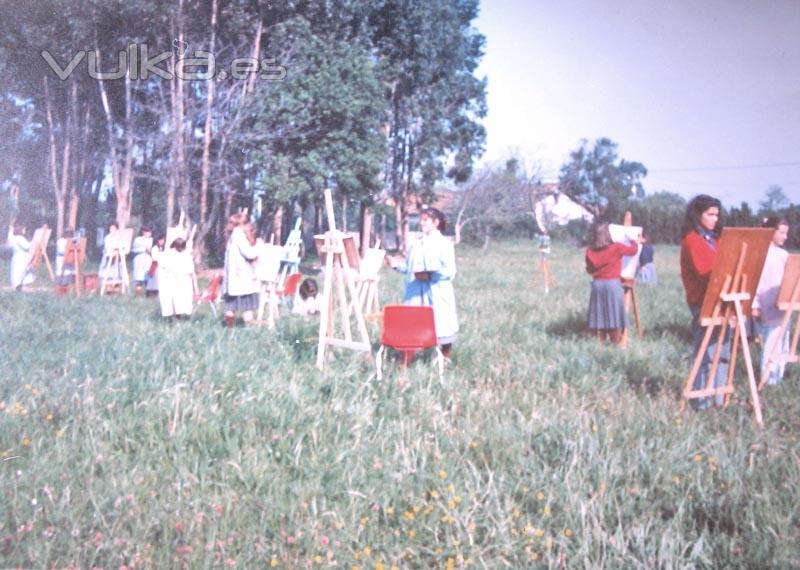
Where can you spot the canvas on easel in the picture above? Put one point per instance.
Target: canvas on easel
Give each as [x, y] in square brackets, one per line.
[38, 251]
[290, 256]
[368, 280]
[789, 302]
[113, 267]
[627, 233]
[268, 267]
[731, 287]
[74, 255]
[338, 274]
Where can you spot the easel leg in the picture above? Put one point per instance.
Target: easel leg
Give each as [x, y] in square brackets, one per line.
[732, 364]
[325, 311]
[698, 361]
[751, 377]
[635, 303]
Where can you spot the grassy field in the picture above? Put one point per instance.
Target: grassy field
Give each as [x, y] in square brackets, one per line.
[127, 442]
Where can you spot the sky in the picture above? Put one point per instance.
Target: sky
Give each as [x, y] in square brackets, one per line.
[706, 94]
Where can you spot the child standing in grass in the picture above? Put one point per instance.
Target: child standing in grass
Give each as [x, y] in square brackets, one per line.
[430, 268]
[21, 273]
[607, 317]
[241, 286]
[765, 310]
[142, 260]
[698, 254]
[175, 282]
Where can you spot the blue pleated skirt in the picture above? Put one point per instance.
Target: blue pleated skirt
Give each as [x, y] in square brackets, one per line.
[607, 305]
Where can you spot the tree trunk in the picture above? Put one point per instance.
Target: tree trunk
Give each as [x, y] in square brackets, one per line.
[277, 224]
[121, 173]
[367, 220]
[344, 213]
[199, 245]
[59, 185]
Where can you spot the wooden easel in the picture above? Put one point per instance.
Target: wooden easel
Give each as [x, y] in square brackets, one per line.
[730, 289]
[39, 241]
[75, 254]
[789, 302]
[115, 261]
[290, 262]
[368, 280]
[544, 262]
[631, 300]
[267, 272]
[337, 270]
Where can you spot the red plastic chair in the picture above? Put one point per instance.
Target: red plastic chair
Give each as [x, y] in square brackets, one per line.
[211, 294]
[408, 329]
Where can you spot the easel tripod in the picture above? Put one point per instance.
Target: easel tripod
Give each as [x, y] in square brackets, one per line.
[728, 309]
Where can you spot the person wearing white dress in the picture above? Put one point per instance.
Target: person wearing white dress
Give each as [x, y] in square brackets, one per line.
[65, 274]
[764, 308]
[175, 283]
[142, 260]
[240, 286]
[430, 268]
[21, 273]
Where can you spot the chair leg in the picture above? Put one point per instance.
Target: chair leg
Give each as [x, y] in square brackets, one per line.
[379, 364]
[440, 363]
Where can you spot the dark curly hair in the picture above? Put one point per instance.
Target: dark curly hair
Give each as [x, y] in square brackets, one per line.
[695, 209]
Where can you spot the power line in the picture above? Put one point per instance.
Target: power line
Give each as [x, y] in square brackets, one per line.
[713, 168]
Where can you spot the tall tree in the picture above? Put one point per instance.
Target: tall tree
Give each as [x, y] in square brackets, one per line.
[429, 52]
[599, 181]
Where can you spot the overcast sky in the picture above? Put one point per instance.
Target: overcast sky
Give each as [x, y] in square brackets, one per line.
[705, 93]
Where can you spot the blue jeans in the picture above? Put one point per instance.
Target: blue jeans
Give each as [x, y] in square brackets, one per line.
[721, 377]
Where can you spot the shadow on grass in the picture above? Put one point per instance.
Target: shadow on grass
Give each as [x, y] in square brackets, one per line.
[642, 381]
[679, 331]
[573, 326]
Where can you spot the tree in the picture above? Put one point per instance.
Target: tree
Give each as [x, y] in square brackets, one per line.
[429, 52]
[496, 200]
[774, 200]
[599, 181]
[660, 214]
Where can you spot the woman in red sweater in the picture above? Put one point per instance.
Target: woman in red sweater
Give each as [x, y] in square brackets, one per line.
[607, 316]
[698, 254]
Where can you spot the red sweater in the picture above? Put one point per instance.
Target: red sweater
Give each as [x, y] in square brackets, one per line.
[606, 263]
[697, 260]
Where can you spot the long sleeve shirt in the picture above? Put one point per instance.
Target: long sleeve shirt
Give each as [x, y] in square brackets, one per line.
[766, 298]
[697, 261]
[606, 263]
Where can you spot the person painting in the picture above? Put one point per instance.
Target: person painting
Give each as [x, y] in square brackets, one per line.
[430, 268]
[607, 317]
[699, 249]
[21, 272]
[647, 266]
[765, 311]
[240, 285]
[142, 258]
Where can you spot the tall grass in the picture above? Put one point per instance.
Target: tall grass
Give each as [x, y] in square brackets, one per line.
[129, 442]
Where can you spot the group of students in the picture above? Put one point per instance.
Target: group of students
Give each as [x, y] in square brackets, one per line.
[699, 246]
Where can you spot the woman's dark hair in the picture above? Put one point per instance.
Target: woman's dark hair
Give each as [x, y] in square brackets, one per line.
[144, 229]
[773, 222]
[695, 209]
[178, 244]
[435, 214]
[308, 288]
[19, 229]
[600, 236]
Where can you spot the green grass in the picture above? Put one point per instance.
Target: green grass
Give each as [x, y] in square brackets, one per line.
[129, 442]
